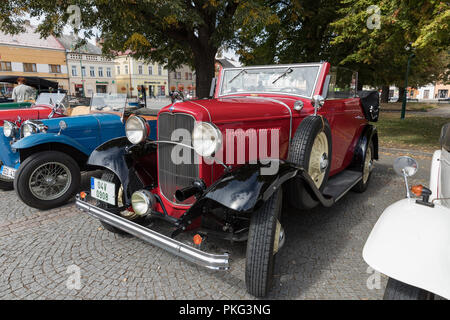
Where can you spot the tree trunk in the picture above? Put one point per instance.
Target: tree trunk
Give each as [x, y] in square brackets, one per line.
[204, 71]
[401, 93]
[384, 94]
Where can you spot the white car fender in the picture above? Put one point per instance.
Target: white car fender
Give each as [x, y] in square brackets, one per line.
[411, 243]
[435, 175]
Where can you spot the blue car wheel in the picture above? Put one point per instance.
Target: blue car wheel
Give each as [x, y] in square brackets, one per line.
[47, 180]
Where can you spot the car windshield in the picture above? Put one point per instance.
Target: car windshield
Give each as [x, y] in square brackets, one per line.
[109, 102]
[295, 80]
[51, 99]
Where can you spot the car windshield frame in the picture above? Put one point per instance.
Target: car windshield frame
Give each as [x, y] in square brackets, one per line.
[54, 97]
[281, 70]
[109, 102]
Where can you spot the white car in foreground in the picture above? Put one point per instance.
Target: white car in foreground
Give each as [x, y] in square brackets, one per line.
[410, 243]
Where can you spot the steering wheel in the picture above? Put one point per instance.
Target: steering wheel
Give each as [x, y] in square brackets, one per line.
[58, 109]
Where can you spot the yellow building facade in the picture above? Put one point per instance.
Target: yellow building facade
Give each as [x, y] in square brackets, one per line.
[28, 55]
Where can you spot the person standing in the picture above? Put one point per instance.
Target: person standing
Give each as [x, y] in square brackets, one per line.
[22, 92]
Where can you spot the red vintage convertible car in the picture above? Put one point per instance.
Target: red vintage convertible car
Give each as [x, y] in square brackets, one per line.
[222, 167]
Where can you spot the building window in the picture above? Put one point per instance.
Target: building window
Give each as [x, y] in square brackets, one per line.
[92, 72]
[442, 94]
[54, 68]
[108, 72]
[150, 70]
[140, 69]
[100, 72]
[118, 70]
[83, 71]
[29, 67]
[159, 70]
[5, 66]
[178, 75]
[74, 71]
[126, 69]
[190, 76]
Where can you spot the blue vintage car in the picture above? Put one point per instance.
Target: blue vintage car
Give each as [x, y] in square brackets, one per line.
[53, 152]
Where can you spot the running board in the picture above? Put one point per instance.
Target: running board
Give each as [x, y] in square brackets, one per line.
[341, 183]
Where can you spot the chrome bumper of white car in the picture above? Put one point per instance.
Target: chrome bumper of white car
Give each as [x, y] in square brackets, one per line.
[208, 260]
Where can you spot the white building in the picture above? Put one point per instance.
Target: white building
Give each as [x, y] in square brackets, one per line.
[89, 71]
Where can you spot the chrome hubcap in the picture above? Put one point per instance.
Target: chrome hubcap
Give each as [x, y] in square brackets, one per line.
[50, 181]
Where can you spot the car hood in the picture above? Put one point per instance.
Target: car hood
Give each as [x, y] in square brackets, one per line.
[235, 109]
[83, 124]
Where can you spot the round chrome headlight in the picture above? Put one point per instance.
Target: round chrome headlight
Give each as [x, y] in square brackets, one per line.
[9, 129]
[143, 202]
[206, 139]
[28, 129]
[137, 129]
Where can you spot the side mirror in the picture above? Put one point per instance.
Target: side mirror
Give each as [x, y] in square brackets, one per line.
[406, 166]
[318, 102]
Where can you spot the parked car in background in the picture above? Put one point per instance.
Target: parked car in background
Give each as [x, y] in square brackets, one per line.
[222, 167]
[53, 152]
[48, 105]
[410, 241]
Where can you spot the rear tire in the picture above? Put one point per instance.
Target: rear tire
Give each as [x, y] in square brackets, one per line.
[304, 143]
[397, 290]
[47, 180]
[366, 171]
[260, 258]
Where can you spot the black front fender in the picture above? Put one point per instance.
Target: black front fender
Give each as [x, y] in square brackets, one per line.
[245, 189]
[119, 155]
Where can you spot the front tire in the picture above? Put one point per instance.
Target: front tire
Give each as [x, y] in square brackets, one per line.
[262, 246]
[397, 290]
[6, 184]
[111, 177]
[47, 180]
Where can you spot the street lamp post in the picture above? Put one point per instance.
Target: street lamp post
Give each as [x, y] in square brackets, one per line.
[411, 56]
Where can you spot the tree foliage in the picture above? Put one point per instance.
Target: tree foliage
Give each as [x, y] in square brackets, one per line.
[380, 53]
[172, 32]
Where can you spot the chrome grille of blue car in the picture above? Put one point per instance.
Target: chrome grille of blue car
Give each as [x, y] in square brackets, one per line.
[175, 176]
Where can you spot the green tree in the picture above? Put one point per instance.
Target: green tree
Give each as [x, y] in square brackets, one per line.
[172, 32]
[302, 35]
[378, 51]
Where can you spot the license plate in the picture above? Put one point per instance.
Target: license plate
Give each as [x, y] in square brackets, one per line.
[8, 172]
[103, 191]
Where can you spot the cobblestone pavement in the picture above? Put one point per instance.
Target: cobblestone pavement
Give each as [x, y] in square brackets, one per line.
[320, 260]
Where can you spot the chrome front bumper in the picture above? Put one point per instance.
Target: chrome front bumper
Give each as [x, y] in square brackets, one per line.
[208, 260]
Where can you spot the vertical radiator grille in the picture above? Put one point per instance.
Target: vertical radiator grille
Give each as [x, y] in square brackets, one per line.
[175, 176]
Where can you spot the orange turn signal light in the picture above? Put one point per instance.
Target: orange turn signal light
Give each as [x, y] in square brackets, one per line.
[417, 190]
[83, 195]
[197, 240]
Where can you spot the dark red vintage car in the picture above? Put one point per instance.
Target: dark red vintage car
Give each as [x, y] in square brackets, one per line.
[221, 167]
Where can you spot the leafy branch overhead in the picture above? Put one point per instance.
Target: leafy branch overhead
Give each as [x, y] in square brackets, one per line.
[172, 32]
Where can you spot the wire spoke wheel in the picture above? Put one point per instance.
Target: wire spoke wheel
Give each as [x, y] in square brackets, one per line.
[50, 181]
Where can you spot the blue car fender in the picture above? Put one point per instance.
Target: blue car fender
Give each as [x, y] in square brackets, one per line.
[7, 156]
[44, 138]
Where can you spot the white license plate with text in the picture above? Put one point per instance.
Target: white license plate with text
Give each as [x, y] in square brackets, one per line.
[103, 191]
[8, 172]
